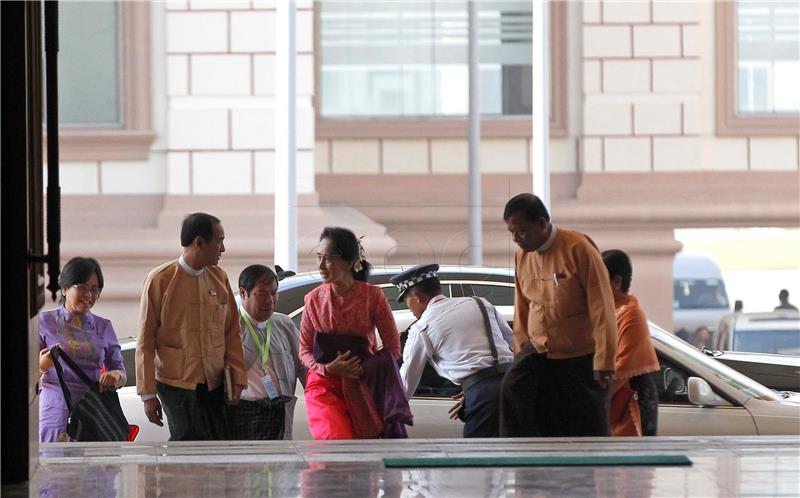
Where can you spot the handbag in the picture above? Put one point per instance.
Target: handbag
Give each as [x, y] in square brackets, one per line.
[326, 345]
[95, 416]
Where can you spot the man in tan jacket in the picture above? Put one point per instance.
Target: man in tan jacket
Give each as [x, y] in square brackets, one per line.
[188, 334]
[565, 330]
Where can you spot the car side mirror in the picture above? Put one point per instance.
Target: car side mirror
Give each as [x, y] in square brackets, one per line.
[701, 394]
[673, 382]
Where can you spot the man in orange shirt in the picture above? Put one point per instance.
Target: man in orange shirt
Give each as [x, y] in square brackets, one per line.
[188, 334]
[565, 331]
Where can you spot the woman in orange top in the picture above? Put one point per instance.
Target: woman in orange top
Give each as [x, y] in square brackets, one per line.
[635, 359]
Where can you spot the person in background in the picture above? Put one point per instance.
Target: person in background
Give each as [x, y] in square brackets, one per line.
[451, 335]
[271, 351]
[722, 335]
[701, 338]
[88, 339]
[565, 331]
[783, 297]
[188, 335]
[636, 357]
[683, 334]
[347, 307]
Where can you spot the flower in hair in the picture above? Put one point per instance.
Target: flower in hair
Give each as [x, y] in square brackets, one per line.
[358, 266]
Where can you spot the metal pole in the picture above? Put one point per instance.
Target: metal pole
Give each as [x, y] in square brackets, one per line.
[475, 221]
[285, 137]
[541, 101]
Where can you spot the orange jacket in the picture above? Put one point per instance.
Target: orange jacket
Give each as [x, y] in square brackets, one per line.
[188, 330]
[563, 303]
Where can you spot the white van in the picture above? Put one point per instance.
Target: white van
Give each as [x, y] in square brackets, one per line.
[699, 298]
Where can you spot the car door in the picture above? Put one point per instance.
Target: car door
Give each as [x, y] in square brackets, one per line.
[131, 403]
[677, 416]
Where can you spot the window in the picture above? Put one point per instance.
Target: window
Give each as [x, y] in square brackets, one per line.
[673, 383]
[406, 62]
[691, 294]
[498, 295]
[758, 65]
[88, 82]
[104, 80]
[786, 341]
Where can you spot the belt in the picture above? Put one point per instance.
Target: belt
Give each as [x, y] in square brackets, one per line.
[484, 374]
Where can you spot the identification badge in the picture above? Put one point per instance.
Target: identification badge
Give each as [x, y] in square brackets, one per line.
[269, 386]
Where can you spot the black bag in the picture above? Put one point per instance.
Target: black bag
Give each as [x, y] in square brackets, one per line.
[97, 415]
[326, 345]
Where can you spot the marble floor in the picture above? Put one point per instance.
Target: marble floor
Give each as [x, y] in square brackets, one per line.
[721, 466]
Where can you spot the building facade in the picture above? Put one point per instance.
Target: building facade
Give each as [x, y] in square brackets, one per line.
[664, 115]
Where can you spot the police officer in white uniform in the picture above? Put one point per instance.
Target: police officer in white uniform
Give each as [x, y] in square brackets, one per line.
[465, 340]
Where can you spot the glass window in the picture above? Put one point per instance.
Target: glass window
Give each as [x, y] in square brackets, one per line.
[129, 360]
[768, 56]
[767, 341]
[409, 58]
[498, 295]
[88, 64]
[672, 383]
[700, 294]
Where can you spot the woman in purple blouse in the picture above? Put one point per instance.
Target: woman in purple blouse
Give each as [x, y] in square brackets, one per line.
[87, 338]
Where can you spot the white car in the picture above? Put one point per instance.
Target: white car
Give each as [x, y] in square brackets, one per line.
[698, 394]
[775, 332]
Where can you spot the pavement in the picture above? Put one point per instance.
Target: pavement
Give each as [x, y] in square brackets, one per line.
[721, 466]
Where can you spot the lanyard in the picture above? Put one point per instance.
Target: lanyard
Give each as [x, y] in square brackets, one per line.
[264, 350]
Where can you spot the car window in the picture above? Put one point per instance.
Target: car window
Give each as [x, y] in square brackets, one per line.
[672, 383]
[129, 360]
[702, 293]
[716, 371]
[767, 341]
[498, 295]
[431, 384]
[391, 292]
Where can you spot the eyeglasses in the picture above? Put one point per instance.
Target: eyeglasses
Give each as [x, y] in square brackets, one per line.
[85, 289]
[327, 258]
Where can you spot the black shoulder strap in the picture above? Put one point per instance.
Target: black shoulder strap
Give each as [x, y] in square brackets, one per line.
[55, 355]
[63, 356]
[488, 328]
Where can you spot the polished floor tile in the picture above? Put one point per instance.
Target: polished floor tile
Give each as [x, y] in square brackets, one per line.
[723, 466]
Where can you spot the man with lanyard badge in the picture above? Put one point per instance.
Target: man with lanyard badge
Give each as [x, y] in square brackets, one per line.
[270, 343]
[464, 339]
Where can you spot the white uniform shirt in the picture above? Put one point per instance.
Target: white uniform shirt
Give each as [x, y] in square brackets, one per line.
[451, 335]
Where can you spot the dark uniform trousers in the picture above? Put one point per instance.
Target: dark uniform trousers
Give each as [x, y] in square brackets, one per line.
[481, 410]
[193, 415]
[552, 398]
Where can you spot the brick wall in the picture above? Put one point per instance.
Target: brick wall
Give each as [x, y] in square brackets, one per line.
[216, 97]
[648, 93]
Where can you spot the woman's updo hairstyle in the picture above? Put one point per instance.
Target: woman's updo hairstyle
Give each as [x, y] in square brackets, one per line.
[344, 243]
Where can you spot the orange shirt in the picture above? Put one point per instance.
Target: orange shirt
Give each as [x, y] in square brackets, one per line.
[188, 330]
[563, 303]
[635, 352]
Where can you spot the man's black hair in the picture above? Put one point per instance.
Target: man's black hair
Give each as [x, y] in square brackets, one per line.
[344, 243]
[783, 295]
[78, 270]
[531, 207]
[197, 224]
[618, 263]
[254, 274]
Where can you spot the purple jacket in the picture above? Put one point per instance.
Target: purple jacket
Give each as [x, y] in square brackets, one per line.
[383, 380]
[88, 339]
